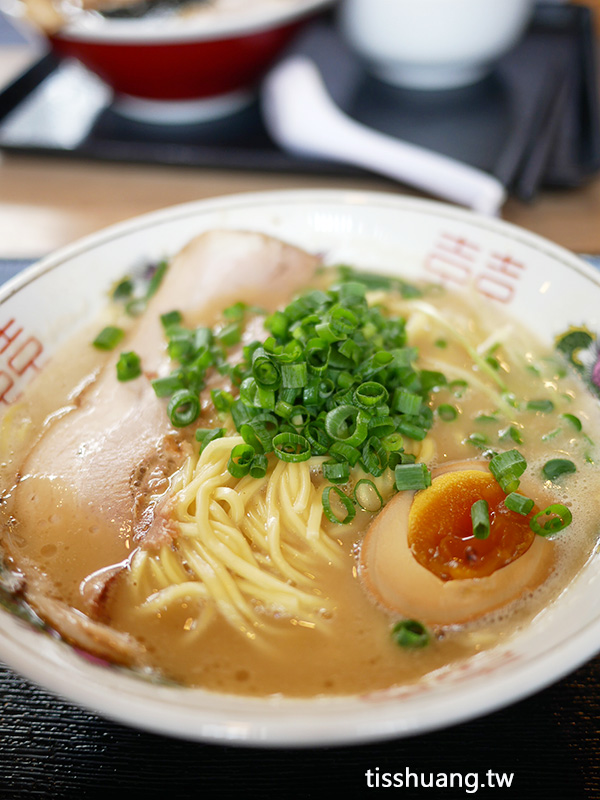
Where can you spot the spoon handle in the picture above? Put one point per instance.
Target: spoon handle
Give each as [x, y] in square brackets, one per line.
[302, 118]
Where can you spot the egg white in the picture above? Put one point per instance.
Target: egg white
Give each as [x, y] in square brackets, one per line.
[397, 581]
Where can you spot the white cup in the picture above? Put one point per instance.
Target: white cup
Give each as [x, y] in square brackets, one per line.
[433, 44]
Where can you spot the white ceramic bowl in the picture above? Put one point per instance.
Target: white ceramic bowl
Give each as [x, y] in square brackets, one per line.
[555, 289]
[433, 44]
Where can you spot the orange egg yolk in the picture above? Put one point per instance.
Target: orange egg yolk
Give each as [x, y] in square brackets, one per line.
[440, 528]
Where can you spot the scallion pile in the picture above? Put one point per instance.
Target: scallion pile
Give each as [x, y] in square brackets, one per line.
[333, 378]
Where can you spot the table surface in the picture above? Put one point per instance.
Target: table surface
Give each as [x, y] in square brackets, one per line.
[51, 749]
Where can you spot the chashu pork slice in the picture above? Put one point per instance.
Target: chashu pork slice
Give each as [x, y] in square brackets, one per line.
[78, 499]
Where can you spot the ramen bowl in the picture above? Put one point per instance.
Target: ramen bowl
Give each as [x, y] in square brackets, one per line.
[183, 67]
[526, 275]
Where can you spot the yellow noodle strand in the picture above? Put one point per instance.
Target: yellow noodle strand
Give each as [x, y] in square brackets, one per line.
[245, 546]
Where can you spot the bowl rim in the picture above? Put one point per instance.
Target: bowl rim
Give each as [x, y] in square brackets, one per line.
[373, 722]
[94, 29]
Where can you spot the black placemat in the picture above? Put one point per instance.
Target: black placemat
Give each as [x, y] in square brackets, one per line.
[533, 121]
[549, 743]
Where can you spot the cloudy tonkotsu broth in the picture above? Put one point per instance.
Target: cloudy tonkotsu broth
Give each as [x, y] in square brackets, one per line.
[151, 548]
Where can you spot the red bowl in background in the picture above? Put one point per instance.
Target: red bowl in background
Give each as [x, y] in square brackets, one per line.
[197, 66]
[179, 70]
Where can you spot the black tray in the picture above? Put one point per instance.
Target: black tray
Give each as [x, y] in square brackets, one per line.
[533, 121]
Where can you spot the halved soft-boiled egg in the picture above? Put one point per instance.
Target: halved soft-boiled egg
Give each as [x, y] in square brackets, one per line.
[421, 559]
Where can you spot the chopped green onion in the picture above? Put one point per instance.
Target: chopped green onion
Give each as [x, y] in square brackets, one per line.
[156, 279]
[374, 364]
[382, 426]
[432, 380]
[351, 292]
[336, 471]
[170, 318]
[136, 306]
[287, 354]
[230, 334]
[265, 398]
[547, 437]
[412, 477]
[410, 634]
[393, 442]
[206, 435]
[348, 505]
[480, 519]
[350, 349]
[317, 355]
[240, 413]
[446, 412]
[278, 324]
[129, 366]
[573, 420]
[574, 341]
[374, 457]
[240, 460]
[478, 439]
[407, 402]
[370, 394]
[252, 437]
[346, 424]
[458, 387]
[519, 503]
[108, 338]
[123, 290]
[235, 313]
[299, 416]
[326, 388]
[259, 466]
[181, 345]
[291, 447]
[326, 332]
[248, 392]
[556, 467]
[486, 418]
[164, 387]
[411, 430]
[183, 408]
[266, 373]
[318, 439]
[265, 426]
[222, 400]
[543, 406]
[345, 452]
[560, 518]
[345, 380]
[293, 376]
[513, 433]
[507, 469]
[310, 393]
[367, 495]
[376, 281]
[283, 409]
[343, 320]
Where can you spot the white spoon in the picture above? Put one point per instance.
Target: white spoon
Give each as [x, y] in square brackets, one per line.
[302, 118]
